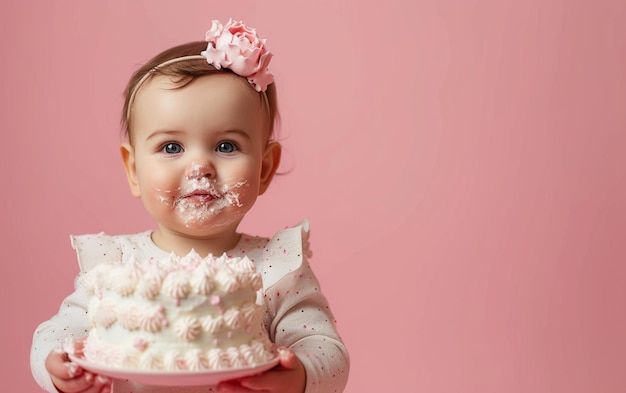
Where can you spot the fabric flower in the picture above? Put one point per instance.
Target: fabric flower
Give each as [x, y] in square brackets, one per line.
[238, 47]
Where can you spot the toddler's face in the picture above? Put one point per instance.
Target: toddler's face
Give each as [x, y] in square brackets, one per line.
[199, 156]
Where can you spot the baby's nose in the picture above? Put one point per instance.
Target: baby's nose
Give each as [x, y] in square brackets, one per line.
[199, 170]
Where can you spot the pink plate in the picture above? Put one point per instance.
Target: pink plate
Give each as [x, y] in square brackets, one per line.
[173, 378]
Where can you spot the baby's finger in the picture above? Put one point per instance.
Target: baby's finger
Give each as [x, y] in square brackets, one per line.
[106, 389]
[82, 383]
[101, 384]
[58, 365]
[287, 358]
[262, 382]
[231, 387]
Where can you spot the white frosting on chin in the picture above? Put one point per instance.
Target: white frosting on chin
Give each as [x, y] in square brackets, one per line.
[188, 313]
[199, 200]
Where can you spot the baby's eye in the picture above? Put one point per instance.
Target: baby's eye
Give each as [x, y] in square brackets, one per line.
[226, 147]
[172, 148]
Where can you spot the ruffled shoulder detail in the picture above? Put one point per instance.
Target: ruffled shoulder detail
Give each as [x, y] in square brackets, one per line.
[93, 249]
[285, 252]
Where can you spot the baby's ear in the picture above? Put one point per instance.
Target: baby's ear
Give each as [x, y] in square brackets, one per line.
[271, 161]
[128, 158]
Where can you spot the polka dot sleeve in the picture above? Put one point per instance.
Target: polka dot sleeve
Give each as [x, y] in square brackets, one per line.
[71, 321]
[298, 316]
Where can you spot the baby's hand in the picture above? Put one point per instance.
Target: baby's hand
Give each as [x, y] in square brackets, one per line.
[288, 377]
[68, 377]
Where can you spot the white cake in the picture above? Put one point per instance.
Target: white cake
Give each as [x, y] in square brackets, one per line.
[188, 313]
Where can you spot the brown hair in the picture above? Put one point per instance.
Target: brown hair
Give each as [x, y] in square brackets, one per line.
[183, 73]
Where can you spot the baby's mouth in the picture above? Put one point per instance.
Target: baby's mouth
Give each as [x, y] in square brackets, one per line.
[198, 201]
[198, 197]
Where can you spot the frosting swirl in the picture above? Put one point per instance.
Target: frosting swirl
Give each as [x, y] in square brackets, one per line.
[151, 320]
[106, 314]
[195, 360]
[176, 285]
[233, 318]
[212, 324]
[234, 358]
[173, 361]
[187, 328]
[227, 280]
[149, 285]
[128, 317]
[150, 360]
[217, 358]
[250, 312]
[202, 279]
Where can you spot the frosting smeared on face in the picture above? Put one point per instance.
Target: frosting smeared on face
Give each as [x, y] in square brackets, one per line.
[201, 199]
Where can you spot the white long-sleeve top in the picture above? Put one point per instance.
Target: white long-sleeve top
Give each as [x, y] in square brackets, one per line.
[297, 314]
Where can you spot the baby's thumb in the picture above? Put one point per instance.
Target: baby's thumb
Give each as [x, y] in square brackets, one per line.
[287, 358]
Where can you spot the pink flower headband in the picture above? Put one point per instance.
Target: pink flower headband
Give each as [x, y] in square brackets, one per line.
[234, 46]
[238, 47]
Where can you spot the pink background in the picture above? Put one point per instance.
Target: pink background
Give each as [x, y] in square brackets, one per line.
[461, 163]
